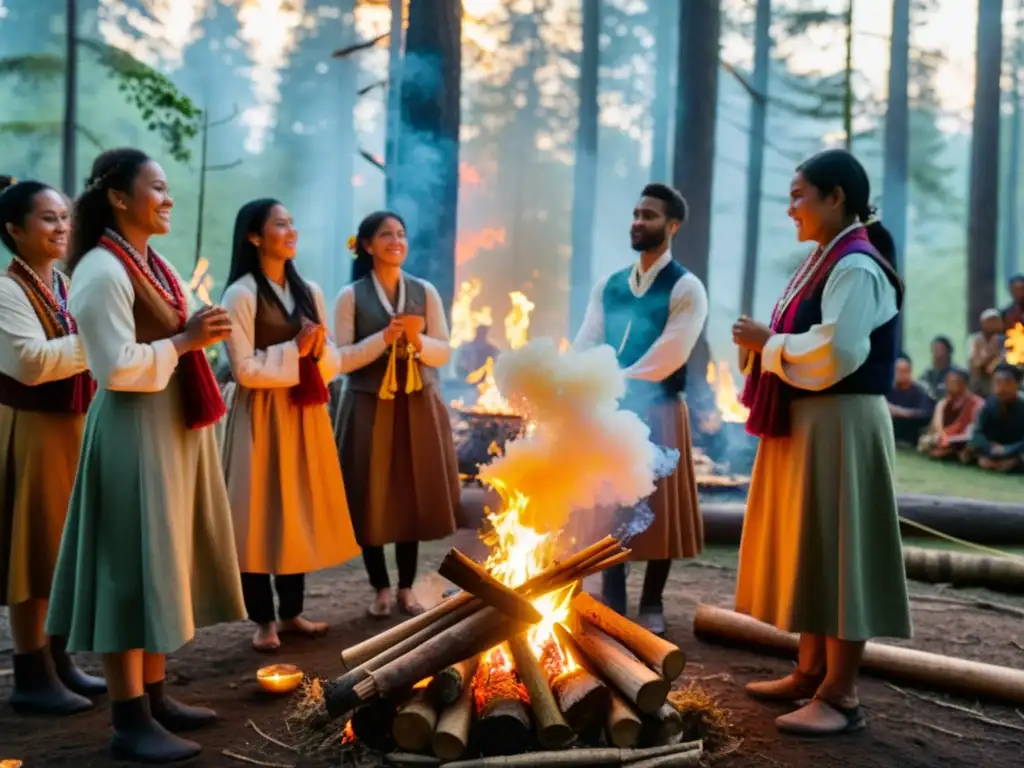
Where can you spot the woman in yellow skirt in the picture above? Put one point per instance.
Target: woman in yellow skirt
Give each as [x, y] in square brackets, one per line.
[45, 391]
[821, 553]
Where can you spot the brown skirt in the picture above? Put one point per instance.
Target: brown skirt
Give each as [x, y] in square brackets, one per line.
[398, 461]
[38, 459]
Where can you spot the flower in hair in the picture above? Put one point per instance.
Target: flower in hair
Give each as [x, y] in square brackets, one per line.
[352, 243]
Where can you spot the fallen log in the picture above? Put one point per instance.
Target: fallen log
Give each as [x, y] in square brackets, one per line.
[660, 655]
[581, 695]
[553, 732]
[446, 686]
[502, 711]
[415, 720]
[644, 688]
[465, 573]
[372, 725]
[937, 566]
[451, 737]
[931, 670]
[623, 726]
[663, 727]
[596, 756]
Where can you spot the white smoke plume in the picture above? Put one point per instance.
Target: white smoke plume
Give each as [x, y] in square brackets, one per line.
[583, 452]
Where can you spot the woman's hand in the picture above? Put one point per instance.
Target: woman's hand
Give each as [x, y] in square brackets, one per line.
[395, 329]
[413, 326]
[306, 339]
[204, 329]
[750, 334]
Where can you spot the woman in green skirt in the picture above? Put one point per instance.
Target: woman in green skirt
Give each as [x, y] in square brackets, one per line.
[821, 553]
[148, 553]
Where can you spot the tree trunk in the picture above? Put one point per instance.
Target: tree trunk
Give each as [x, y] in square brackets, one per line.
[394, 99]
[666, 19]
[848, 79]
[983, 213]
[69, 137]
[897, 136]
[585, 171]
[336, 265]
[1011, 213]
[427, 171]
[755, 154]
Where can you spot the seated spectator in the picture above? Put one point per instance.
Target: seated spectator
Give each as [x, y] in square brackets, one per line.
[998, 439]
[985, 350]
[1014, 312]
[934, 378]
[910, 405]
[953, 420]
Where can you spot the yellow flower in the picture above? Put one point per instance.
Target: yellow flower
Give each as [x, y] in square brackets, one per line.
[352, 242]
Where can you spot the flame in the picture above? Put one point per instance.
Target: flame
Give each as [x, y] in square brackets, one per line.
[348, 734]
[465, 319]
[726, 395]
[1015, 345]
[422, 683]
[201, 282]
[517, 321]
[468, 246]
[564, 345]
[489, 399]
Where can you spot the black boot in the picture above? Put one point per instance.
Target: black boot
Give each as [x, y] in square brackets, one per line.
[138, 737]
[172, 714]
[73, 678]
[38, 690]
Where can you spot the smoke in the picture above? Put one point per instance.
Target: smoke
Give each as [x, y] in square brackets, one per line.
[582, 452]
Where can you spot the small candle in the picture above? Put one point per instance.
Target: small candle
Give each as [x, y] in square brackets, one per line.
[279, 678]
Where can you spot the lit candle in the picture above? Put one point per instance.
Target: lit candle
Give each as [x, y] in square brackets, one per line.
[279, 678]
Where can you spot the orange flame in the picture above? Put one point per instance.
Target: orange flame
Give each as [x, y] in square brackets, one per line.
[517, 321]
[469, 246]
[348, 734]
[466, 319]
[201, 282]
[726, 395]
[1015, 345]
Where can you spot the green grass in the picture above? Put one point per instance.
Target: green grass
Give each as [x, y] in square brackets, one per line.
[918, 474]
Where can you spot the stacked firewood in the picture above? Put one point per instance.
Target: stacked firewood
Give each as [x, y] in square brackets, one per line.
[463, 676]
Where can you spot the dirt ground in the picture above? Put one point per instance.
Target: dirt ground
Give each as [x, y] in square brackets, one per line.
[907, 727]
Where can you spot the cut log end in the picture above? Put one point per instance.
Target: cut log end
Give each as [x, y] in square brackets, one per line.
[446, 685]
[413, 727]
[503, 728]
[583, 699]
[663, 728]
[624, 726]
[651, 696]
[373, 725]
[672, 665]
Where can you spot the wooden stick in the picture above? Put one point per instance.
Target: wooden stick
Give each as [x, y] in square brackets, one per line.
[446, 686]
[948, 673]
[413, 727]
[465, 573]
[623, 726]
[452, 733]
[604, 756]
[503, 718]
[583, 698]
[660, 655]
[682, 760]
[552, 730]
[646, 689]
[663, 728]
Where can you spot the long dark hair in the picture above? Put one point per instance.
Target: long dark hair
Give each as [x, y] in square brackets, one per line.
[838, 169]
[245, 258]
[362, 265]
[115, 169]
[16, 201]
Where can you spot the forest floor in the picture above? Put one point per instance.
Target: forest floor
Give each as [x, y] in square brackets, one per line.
[907, 727]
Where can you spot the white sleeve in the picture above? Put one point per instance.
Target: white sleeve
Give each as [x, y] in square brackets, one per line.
[101, 300]
[330, 361]
[437, 348]
[688, 311]
[274, 367]
[591, 332]
[26, 355]
[858, 298]
[353, 356]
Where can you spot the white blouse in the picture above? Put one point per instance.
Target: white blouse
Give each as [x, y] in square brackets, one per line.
[688, 311]
[101, 300]
[26, 355]
[437, 347]
[278, 365]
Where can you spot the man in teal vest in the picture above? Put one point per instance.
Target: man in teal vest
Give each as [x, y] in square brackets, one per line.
[652, 313]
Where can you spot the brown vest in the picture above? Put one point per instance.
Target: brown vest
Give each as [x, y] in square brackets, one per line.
[272, 324]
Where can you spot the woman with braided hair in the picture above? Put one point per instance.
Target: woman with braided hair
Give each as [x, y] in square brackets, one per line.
[45, 391]
[821, 553]
[148, 553]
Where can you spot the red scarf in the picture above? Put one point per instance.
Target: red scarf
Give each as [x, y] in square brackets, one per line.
[765, 394]
[201, 398]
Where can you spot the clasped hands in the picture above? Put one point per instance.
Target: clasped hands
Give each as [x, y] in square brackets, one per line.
[410, 326]
[311, 339]
[750, 334]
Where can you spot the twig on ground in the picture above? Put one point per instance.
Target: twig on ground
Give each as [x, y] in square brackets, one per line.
[731, 749]
[1019, 714]
[6, 672]
[984, 605]
[270, 738]
[705, 564]
[1016, 642]
[966, 710]
[254, 761]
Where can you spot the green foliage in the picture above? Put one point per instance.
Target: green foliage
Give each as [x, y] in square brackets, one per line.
[51, 130]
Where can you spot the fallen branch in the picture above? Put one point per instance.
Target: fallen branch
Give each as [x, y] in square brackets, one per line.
[254, 761]
[984, 605]
[270, 738]
[958, 708]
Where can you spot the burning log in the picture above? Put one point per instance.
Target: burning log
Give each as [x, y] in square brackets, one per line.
[465, 573]
[446, 686]
[452, 734]
[553, 732]
[373, 723]
[686, 754]
[663, 728]
[503, 716]
[641, 686]
[623, 725]
[660, 655]
[414, 723]
[582, 697]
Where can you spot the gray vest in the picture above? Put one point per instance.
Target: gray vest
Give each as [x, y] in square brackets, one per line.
[372, 317]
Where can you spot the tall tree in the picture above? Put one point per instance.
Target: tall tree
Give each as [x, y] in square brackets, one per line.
[897, 132]
[584, 191]
[1012, 213]
[69, 132]
[393, 119]
[983, 209]
[427, 178]
[665, 17]
[755, 152]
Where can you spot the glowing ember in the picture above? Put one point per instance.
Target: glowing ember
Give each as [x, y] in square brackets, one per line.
[348, 735]
[422, 683]
[201, 282]
[1015, 345]
[517, 321]
[466, 319]
[726, 395]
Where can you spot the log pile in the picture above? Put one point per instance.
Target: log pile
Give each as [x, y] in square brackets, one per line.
[477, 676]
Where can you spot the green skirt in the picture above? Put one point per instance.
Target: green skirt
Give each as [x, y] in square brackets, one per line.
[821, 550]
[148, 552]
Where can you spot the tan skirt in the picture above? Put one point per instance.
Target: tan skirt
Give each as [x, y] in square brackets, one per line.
[287, 497]
[38, 458]
[821, 550]
[398, 460]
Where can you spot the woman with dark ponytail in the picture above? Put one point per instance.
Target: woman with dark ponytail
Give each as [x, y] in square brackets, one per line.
[148, 553]
[392, 428]
[821, 553]
[45, 391]
[280, 462]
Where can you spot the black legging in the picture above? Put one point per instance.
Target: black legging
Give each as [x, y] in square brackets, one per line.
[259, 599]
[654, 584]
[406, 553]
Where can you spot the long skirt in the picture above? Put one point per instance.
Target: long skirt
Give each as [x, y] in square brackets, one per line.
[148, 553]
[38, 456]
[821, 550]
[398, 460]
[284, 482]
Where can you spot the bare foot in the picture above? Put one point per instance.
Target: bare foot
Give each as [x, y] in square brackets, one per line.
[380, 608]
[408, 604]
[824, 718]
[265, 639]
[303, 626]
[794, 687]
